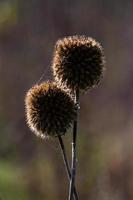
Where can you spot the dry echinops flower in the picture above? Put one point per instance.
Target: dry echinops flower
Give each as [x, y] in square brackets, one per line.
[49, 110]
[78, 62]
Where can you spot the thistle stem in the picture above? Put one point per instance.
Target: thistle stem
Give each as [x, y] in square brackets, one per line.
[63, 151]
[73, 165]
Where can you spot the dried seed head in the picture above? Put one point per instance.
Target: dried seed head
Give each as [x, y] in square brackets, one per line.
[49, 110]
[78, 62]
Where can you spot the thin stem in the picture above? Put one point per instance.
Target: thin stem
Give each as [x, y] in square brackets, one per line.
[63, 151]
[73, 166]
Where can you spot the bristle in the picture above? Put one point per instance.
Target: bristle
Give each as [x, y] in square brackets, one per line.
[49, 110]
[78, 62]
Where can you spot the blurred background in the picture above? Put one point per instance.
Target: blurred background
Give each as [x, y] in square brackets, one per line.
[32, 169]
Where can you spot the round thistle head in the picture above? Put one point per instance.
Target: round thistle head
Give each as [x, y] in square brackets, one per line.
[49, 110]
[78, 62]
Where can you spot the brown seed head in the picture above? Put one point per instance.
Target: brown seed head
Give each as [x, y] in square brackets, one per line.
[49, 110]
[78, 62]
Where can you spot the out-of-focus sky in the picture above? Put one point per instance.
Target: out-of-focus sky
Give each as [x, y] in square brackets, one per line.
[32, 169]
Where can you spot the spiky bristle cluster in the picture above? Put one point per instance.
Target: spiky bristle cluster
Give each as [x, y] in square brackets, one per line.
[78, 62]
[49, 110]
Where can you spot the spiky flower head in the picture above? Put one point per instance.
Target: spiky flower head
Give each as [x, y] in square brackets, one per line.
[49, 110]
[78, 62]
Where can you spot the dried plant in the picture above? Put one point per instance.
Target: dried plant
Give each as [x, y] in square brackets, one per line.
[78, 65]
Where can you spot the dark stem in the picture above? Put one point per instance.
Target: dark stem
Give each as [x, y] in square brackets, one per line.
[63, 151]
[73, 166]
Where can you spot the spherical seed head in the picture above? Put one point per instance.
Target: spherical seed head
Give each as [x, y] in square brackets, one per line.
[49, 110]
[78, 62]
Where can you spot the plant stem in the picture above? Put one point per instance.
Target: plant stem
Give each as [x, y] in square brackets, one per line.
[73, 166]
[63, 151]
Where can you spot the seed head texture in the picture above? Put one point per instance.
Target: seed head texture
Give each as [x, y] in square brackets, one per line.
[78, 62]
[49, 110]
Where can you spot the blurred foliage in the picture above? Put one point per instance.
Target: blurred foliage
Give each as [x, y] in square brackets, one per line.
[8, 14]
[11, 188]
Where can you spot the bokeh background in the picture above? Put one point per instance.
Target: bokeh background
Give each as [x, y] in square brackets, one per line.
[32, 169]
